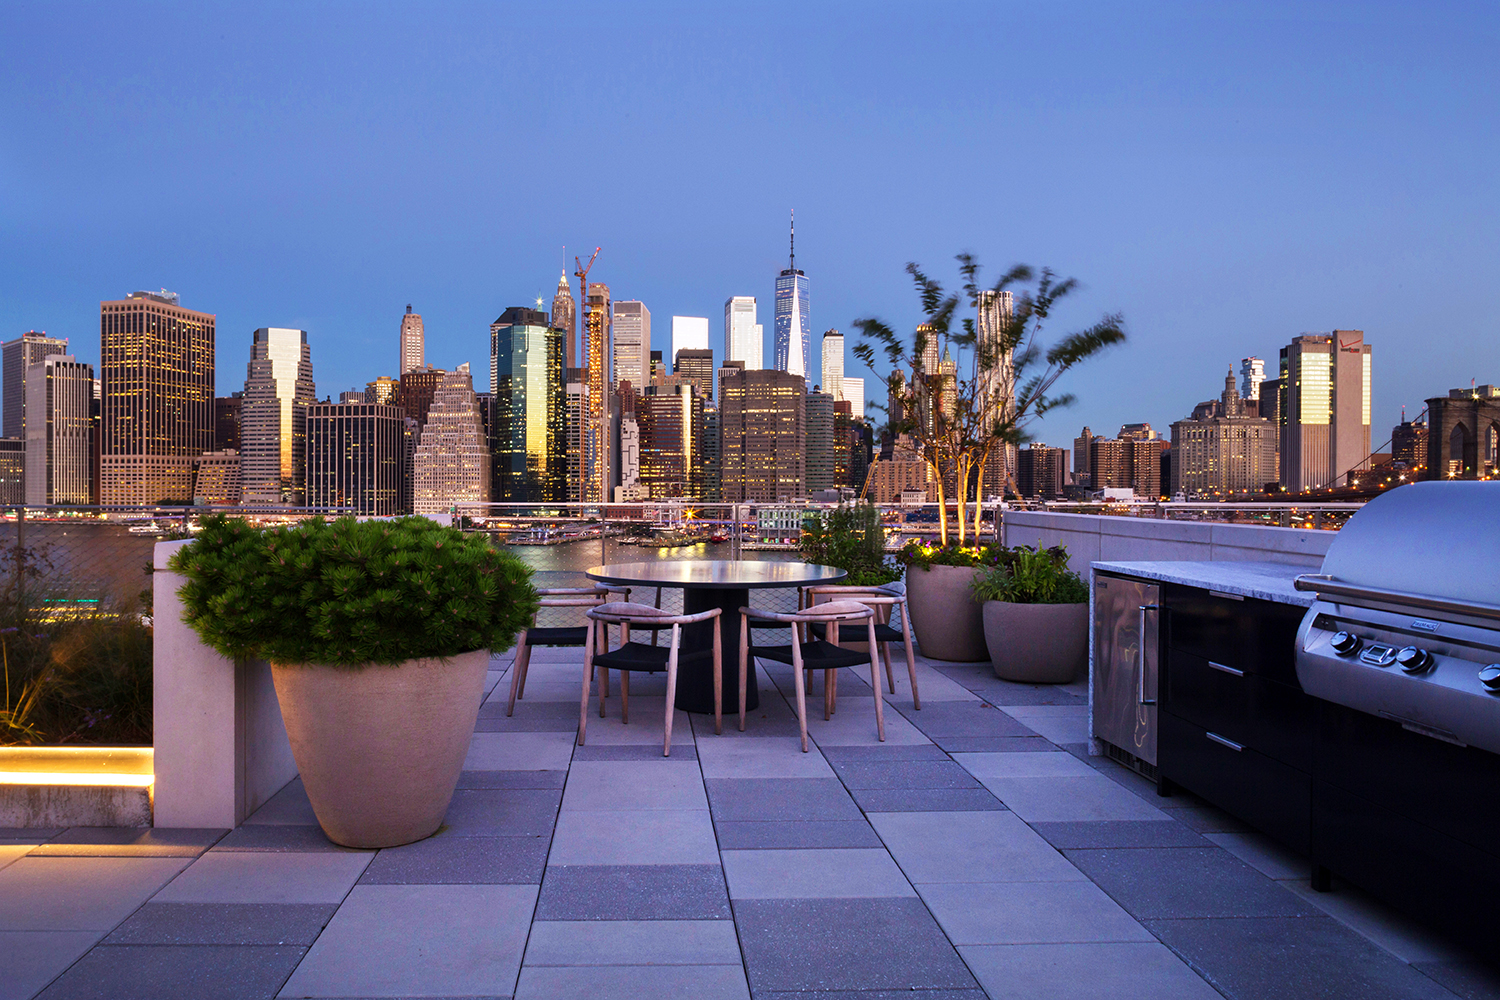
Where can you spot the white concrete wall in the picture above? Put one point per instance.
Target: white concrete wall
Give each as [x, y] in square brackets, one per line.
[1091, 537]
[221, 747]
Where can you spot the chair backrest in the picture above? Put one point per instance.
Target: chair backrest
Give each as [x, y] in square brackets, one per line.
[832, 611]
[626, 613]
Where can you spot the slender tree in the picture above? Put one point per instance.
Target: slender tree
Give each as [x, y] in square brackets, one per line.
[957, 419]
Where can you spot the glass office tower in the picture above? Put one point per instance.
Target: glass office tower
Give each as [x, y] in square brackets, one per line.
[528, 433]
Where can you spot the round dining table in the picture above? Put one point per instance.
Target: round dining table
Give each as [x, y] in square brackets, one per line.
[714, 583]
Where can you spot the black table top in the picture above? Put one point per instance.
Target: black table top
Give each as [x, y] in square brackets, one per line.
[716, 574]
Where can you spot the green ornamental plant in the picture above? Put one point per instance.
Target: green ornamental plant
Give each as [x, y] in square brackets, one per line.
[348, 592]
[1027, 575]
[852, 538]
[922, 555]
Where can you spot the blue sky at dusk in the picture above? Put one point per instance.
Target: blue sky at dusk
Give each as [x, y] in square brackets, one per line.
[1227, 175]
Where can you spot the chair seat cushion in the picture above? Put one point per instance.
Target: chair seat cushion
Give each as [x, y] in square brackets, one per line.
[630, 609]
[857, 632]
[816, 655]
[573, 635]
[635, 656]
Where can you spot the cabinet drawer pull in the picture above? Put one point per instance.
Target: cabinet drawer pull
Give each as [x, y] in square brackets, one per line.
[1231, 744]
[1226, 669]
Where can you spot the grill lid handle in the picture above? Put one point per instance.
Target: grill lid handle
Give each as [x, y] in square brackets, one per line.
[1325, 585]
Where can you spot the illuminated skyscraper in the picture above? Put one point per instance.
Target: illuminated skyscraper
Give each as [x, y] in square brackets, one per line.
[1325, 416]
[632, 344]
[996, 311]
[763, 433]
[273, 418]
[451, 466]
[412, 346]
[1252, 374]
[596, 442]
[157, 415]
[744, 338]
[60, 396]
[528, 436]
[565, 318]
[20, 354]
[833, 364]
[355, 457]
[793, 322]
[854, 393]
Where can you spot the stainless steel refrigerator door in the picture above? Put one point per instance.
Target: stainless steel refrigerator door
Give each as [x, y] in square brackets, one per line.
[1127, 614]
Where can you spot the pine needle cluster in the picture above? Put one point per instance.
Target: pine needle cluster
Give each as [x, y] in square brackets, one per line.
[348, 592]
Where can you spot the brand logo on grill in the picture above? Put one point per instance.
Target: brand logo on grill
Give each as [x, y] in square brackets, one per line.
[1424, 625]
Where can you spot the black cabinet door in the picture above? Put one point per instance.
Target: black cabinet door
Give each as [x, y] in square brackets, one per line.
[1258, 637]
[1274, 719]
[1263, 792]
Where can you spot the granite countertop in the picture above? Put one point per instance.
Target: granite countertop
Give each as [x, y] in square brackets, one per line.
[1262, 580]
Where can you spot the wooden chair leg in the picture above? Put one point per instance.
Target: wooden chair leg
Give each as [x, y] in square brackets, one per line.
[827, 695]
[604, 671]
[911, 663]
[666, 742]
[588, 675]
[745, 665]
[523, 653]
[718, 680]
[890, 676]
[801, 686]
[875, 685]
[624, 697]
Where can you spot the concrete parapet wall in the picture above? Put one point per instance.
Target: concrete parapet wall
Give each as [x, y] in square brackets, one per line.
[221, 746]
[1093, 537]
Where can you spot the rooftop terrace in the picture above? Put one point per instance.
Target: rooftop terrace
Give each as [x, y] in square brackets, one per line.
[978, 852]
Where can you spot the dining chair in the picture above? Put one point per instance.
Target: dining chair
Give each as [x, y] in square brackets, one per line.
[804, 653]
[638, 657]
[886, 601]
[571, 635]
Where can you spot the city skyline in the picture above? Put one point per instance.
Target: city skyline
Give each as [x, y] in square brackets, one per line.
[1225, 219]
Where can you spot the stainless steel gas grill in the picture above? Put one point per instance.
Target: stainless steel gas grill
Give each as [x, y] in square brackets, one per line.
[1402, 647]
[1407, 621]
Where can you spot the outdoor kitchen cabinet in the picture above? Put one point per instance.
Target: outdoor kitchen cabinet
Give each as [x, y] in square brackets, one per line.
[1235, 728]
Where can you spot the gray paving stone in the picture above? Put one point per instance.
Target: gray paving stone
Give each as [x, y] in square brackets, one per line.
[513, 779]
[635, 751]
[634, 837]
[290, 806]
[1118, 833]
[1472, 980]
[279, 837]
[510, 812]
[405, 940]
[530, 723]
[970, 847]
[123, 842]
[445, 859]
[631, 982]
[1079, 971]
[27, 834]
[814, 874]
[846, 944]
[32, 959]
[554, 710]
[79, 894]
[520, 751]
[633, 942]
[966, 719]
[1029, 913]
[877, 800]
[1280, 958]
[171, 972]
[633, 892]
[653, 783]
[869, 995]
[926, 774]
[1200, 816]
[882, 754]
[280, 877]
[780, 799]
[794, 834]
[1187, 882]
[224, 923]
[986, 744]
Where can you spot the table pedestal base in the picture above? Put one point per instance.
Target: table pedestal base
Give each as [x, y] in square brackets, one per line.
[695, 661]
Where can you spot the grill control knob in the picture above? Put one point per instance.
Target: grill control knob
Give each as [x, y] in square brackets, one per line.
[1345, 643]
[1490, 677]
[1413, 660]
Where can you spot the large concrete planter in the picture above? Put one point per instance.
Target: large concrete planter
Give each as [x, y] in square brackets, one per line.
[380, 747]
[1037, 643]
[948, 622]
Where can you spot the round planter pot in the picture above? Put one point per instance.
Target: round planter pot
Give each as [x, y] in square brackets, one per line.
[380, 746]
[1037, 643]
[948, 622]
